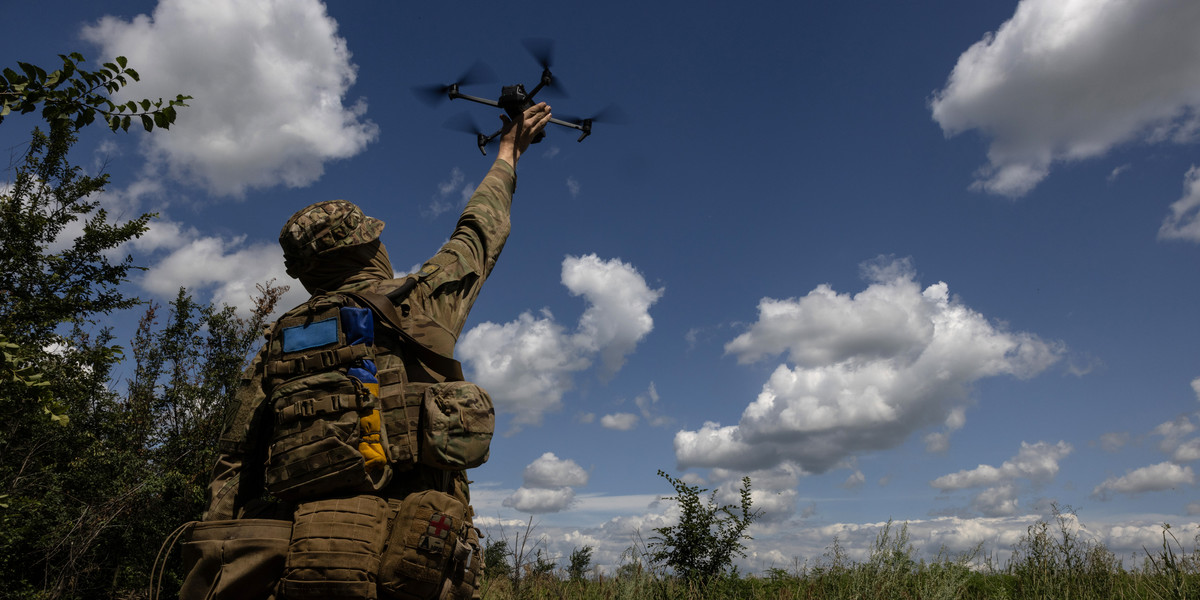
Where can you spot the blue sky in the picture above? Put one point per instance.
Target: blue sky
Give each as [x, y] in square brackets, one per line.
[932, 262]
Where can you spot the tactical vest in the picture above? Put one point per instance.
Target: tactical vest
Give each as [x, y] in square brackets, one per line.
[358, 399]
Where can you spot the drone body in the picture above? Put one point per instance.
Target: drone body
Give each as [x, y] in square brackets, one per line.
[513, 99]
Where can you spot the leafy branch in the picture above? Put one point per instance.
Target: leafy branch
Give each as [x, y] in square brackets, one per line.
[75, 96]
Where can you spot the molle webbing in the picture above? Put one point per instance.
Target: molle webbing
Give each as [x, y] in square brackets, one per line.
[309, 407]
[317, 361]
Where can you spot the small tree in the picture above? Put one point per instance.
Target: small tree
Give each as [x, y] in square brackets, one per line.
[495, 559]
[581, 563]
[704, 542]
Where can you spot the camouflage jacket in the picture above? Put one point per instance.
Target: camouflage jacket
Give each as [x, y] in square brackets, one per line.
[448, 284]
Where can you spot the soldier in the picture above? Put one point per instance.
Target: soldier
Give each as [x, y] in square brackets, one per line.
[383, 512]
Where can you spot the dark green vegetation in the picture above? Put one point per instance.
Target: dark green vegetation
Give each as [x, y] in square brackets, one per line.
[102, 453]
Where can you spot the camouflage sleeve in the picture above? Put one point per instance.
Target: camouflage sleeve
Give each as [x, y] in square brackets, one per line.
[450, 281]
[231, 483]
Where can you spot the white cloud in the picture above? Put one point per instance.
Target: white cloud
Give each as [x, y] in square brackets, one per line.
[549, 484]
[1067, 80]
[549, 471]
[1154, 478]
[526, 365]
[539, 501]
[1035, 462]
[573, 187]
[1174, 443]
[226, 267]
[1183, 222]
[268, 78]
[619, 421]
[529, 363]
[998, 501]
[618, 315]
[867, 372]
[1196, 387]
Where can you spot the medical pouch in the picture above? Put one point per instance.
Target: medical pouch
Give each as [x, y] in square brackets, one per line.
[335, 549]
[458, 420]
[328, 435]
[429, 552]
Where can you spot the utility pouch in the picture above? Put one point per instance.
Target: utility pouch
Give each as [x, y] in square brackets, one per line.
[239, 559]
[458, 421]
[429, 551]
[335, 549]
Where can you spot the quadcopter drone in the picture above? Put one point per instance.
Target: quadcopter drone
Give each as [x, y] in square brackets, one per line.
[513, 98]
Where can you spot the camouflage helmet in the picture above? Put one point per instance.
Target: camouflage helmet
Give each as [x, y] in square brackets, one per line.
[323, 227]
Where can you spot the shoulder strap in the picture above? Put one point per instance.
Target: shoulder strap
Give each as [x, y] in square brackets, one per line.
[383, 306]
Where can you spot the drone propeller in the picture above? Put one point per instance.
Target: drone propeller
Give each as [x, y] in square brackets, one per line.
[433, 94]
[542, 50]
[465, 123]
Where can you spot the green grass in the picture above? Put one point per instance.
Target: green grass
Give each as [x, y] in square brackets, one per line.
[1049, 562]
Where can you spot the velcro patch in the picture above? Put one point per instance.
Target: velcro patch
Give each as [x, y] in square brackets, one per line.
[312, 335]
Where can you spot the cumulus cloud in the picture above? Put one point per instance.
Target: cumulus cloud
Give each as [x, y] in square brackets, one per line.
[1175, 439]
[619, 421]
[1037, 463]
[866, 372]
[1064, 81]
[269, 81]
[1154, 478]
[227, 268]
[528, 364]
[619, 313]
[772, 491]
[549, 485]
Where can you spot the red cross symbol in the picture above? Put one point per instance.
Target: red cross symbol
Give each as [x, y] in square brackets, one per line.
[440, 525]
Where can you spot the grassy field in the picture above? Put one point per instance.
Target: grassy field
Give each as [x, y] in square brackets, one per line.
[1051, 561]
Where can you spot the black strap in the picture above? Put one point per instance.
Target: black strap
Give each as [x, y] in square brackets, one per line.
[382, 305]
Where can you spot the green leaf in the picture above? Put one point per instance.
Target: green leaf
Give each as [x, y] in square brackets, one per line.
[132, 106]
[145, 104]
[147, 122]
[132, 74]
[121, 61]
[111, 67]
[30, 70]
[168, 113]
[125, 123]
[160, 119]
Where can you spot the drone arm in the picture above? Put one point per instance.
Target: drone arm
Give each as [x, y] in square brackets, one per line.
[584, 126]
[566, 124]
[454, 94]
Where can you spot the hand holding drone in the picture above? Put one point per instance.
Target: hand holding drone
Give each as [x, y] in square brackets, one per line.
[513, 99]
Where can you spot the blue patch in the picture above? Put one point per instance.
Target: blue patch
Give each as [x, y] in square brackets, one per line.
[313, 335]
[358, 325]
